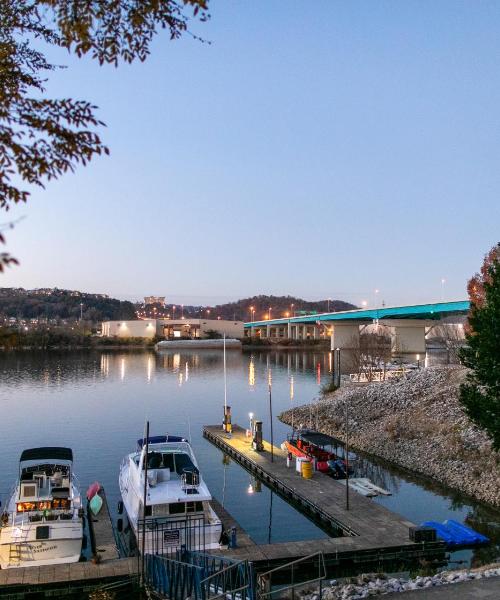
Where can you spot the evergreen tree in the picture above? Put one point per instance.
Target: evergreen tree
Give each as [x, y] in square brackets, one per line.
[480, 395]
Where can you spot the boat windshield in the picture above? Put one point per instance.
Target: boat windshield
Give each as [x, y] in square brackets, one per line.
[178, 462]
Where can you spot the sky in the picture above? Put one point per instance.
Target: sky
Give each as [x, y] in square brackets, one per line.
[322, 149]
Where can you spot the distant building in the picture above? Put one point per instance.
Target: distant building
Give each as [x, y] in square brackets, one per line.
[172, 328]
[154, 300]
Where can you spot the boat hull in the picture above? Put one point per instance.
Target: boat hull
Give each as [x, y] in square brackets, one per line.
[40, 552]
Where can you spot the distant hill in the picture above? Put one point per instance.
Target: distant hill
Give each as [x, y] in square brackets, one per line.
[52, 303]
[241, 309]
[281, 306]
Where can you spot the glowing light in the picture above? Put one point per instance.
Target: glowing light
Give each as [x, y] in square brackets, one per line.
[150, 367]
[364, 303]
[292, 391]
[250, 489]
[251, 373]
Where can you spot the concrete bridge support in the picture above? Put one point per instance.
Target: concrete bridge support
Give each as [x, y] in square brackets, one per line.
[345, 337]
[408, 340]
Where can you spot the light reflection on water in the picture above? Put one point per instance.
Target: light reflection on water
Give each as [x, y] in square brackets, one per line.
[97, 403]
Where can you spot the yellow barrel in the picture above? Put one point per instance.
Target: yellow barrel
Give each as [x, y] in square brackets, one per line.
[307, 470]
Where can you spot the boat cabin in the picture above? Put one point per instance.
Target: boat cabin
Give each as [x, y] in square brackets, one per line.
[44, 480]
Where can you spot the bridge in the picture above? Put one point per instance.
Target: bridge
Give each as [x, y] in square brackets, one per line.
[408, 325]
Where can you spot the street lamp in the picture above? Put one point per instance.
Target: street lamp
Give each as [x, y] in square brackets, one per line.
[250, 416]
[252, 312]
[443, 281]
[173, 310]
[329, 300]
[418, 361]
[291, 309]
[270, 309]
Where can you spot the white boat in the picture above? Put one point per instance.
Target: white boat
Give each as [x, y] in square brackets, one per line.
[178, 512]
[42, 523]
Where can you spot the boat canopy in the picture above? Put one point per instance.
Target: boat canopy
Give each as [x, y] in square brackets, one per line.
[47, 453]
[160, 439]
[318, 439]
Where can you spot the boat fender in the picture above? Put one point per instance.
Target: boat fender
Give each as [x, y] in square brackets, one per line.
[119, 525]
[120, 507]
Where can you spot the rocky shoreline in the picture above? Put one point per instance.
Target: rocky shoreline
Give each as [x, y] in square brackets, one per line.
[367, 585]
[415, 422]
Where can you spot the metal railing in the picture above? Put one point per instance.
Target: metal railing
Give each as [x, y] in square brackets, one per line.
[372, 376]
[165, 536]
[199, 576]
[267, 589]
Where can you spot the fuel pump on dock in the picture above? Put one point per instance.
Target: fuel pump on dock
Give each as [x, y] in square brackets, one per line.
[257, 436]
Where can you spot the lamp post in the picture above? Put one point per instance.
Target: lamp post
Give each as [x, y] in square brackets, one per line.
[418, 361]
[329, 300]
[270, 309]
[291, 310]
[346, 455]
[269, 381]
[81, 311]
[443, 281]
[252, 312]
[182, 311]
[173, 310]
[250, 416]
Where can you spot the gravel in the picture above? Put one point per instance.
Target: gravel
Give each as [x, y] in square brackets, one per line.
[374, 584]
[415, 422]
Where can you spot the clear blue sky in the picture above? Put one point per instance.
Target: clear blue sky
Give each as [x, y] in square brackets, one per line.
[318, 149]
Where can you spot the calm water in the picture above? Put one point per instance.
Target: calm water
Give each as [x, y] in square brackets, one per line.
[97, 404]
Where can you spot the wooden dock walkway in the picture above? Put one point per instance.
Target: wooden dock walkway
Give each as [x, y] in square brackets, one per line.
[366, 530]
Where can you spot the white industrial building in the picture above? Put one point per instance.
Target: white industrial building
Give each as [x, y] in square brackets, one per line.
[172, 328]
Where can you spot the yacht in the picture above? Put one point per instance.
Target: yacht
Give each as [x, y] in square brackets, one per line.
[42, 523]
[177, 511]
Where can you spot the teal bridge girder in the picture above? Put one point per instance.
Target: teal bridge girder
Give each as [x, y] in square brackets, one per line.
[434, 311]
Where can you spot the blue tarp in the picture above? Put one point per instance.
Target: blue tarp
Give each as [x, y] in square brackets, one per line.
[456, 534]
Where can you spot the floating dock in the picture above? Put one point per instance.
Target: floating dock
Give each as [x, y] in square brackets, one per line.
[367, 532]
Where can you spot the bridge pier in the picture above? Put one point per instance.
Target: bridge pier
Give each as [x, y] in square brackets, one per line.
[345, 337]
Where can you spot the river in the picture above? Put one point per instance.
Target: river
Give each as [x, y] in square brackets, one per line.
[97, 403]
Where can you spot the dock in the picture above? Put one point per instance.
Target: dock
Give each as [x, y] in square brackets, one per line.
[83, 576]
[367, 532]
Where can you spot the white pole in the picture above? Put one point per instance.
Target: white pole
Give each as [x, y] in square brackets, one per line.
[225, 376]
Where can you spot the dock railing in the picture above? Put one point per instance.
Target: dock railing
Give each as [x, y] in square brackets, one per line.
[299, 572]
